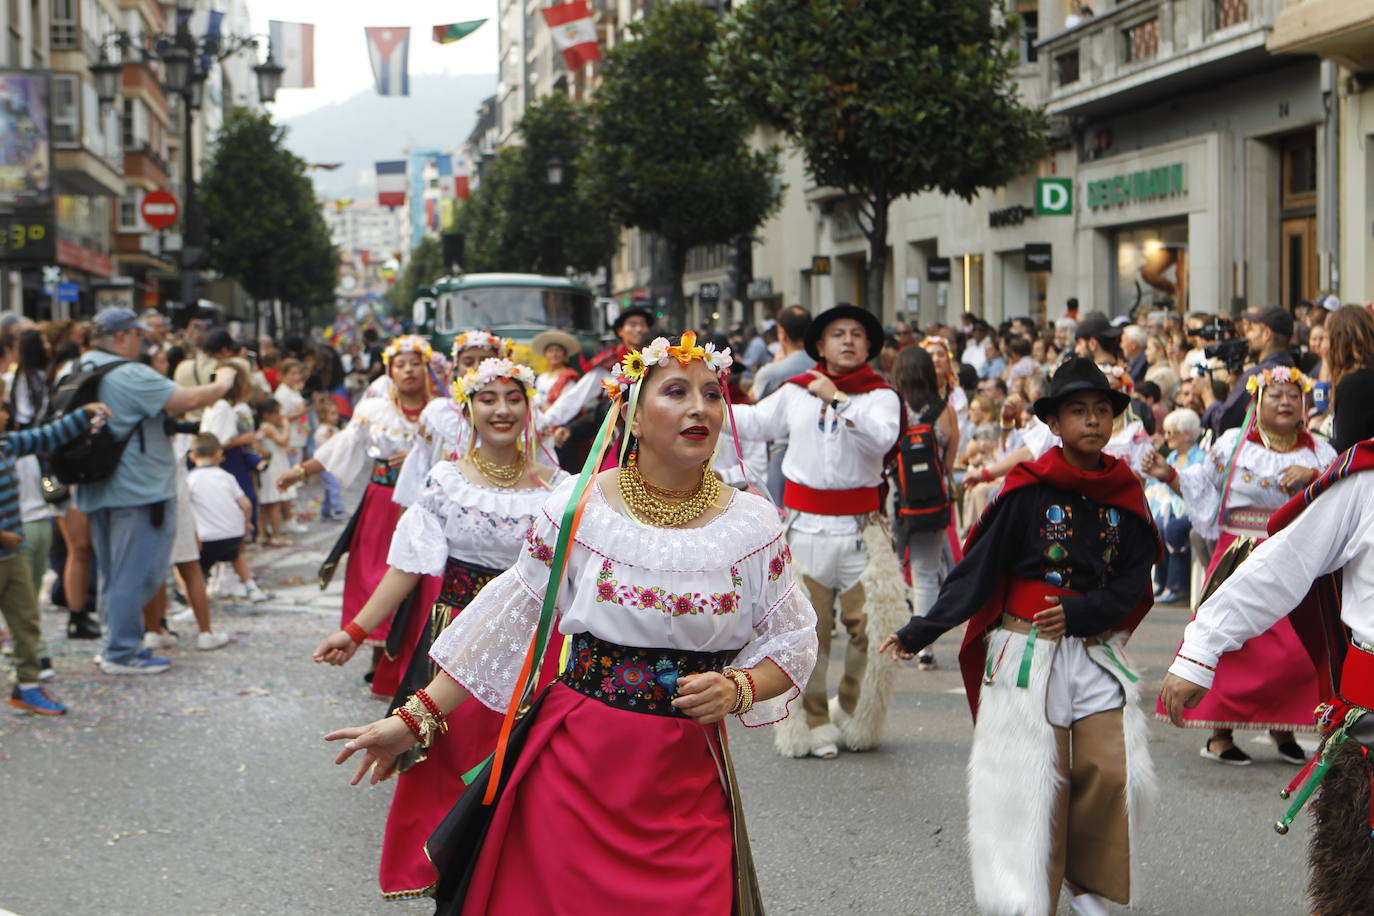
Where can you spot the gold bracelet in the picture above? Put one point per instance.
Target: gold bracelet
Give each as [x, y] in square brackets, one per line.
[429, 725]
[744, 690]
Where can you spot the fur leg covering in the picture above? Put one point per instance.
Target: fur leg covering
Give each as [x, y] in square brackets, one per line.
[886, 607]
[792, 738]
[1341, 853]
[1014, 780]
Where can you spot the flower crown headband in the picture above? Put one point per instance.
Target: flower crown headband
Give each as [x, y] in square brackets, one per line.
[632, 368]
[485, 340]
[408, 343]
[1118, 378]
[1277, 375]
[488, 371]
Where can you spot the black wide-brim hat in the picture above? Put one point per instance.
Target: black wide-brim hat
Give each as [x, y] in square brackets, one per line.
[872, 328]
[1073, 375]
[630, 313]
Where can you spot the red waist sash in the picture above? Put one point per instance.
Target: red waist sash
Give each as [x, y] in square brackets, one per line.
[857, 501]
[1357, 677]
[1028, 597]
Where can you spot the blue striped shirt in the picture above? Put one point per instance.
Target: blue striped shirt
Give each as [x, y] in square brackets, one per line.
[36, 441]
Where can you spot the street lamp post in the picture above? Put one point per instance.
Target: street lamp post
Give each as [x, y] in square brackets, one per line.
[186, 63]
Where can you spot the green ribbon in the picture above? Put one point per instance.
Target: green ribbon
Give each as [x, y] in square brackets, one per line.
[1023, 676]
[1329, 749]
[471, 775]
[1130, 675]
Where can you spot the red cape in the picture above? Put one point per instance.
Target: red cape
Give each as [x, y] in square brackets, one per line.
[1114, 484]
[860, 381]
[1318, 622]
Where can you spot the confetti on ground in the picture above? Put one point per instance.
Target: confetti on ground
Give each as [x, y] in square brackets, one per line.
[130, 833]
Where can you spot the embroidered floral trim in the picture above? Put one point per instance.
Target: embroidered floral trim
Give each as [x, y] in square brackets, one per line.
[538, 548]
[653, 597]
[778, 565]
[640, 680]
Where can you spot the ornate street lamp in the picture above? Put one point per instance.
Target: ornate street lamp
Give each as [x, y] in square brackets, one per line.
[269, 78]
[106, 74]
[555, 167]
[178, 69]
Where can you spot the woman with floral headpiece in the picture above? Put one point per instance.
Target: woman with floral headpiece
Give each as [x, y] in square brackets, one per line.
[444, 427]
[678, 596]
[380, 435]
[466, 529]
[1252, 470]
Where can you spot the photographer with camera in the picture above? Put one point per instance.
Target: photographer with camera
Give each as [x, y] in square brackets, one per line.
[1268, 336]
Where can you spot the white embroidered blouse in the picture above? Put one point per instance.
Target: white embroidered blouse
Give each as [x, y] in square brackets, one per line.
[1254, 484]
[378, 430]
[725, 586]
[443, 430]
[455, 517]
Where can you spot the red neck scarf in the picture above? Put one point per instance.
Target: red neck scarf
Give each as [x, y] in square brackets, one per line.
[606, 359]
[860, 381]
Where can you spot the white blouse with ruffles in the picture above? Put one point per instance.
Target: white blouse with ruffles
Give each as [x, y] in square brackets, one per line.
[378, 430]
[1255, 482]
[442, 431]
[724, 586]
[455, 517]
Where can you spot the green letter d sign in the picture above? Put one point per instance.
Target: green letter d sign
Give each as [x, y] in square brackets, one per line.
[1053, 196]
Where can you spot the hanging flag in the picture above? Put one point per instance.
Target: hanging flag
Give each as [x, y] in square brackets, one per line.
[391, 183]
[210, 46]
[293, 47]
[389, 50]
[447, 34]
[462, 187]
[444, 166]
[326, 166]
[573, 33]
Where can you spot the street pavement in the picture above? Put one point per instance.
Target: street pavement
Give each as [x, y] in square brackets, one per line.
[207, 790]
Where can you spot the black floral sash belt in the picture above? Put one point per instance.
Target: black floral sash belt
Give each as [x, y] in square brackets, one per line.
[462, 581]
[383, 473]
[638, 680]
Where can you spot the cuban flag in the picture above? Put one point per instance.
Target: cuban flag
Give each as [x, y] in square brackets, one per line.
[389, 49]
[391, 183]
[574, 33]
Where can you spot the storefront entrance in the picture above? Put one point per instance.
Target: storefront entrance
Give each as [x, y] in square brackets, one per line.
[1151, 269]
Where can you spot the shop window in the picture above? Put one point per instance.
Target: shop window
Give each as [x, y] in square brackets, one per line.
[1232, 12]
[1066, 68]
[1142, 40]
[1151, 268]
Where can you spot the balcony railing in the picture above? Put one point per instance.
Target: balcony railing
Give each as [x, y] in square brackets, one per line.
[1106, 61]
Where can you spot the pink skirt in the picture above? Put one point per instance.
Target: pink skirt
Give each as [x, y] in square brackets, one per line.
[608, 810]
[367, 554]
[1268, 683]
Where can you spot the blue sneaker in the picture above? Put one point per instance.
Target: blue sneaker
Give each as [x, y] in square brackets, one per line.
[35, 700]
[143, 662]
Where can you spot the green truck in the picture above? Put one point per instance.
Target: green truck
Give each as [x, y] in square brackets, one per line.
[517, 306]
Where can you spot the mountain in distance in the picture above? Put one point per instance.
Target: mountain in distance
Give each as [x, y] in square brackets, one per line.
[367, 128]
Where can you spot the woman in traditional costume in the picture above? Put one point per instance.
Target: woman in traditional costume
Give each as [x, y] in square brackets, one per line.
[1252, 470]
[380, 435]
[679, 600]
[444, 427]
[466, 528]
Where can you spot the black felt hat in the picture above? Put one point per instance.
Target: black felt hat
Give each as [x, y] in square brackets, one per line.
[1075, 374]
[630, 313]
[873, 329]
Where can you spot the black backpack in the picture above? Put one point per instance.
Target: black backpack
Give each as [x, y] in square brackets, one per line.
[923, 502]
[93, 455]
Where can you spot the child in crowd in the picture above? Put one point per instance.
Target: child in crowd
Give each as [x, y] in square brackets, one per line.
[275, 439]
[296, 416]
[222, 511]
[332, 506]
[18, 603]
[1055, 577]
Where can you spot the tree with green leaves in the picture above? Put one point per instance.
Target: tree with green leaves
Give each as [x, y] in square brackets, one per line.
[424, 266]
[529, 212]
[670, 153]
[886, 98]
[264, 227]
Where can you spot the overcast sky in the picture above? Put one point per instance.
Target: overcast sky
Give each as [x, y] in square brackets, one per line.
[341, 63]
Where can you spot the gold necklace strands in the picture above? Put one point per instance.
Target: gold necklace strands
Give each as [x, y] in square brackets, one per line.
[661, 492]
[503, 476]
[1277, 442]
[654, 510]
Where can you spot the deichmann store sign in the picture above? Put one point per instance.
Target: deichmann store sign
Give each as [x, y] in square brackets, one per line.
[1136, 187]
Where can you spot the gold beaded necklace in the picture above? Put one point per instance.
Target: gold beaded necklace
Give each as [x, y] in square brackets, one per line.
[503, 476]
[644, 501]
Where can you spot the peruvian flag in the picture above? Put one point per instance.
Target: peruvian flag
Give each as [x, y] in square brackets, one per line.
[573, 33]
[389, 50]
[391, 183]
[293, 45]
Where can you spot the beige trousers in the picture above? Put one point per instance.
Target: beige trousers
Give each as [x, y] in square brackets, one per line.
[815, 699]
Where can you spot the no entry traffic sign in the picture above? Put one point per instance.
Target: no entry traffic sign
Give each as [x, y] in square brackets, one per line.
[160, 209]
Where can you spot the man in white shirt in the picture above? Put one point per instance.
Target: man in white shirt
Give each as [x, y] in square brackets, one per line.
[1326, 529]
[840, 420]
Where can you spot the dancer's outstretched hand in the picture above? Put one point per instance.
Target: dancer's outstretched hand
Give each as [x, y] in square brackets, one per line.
[380, 743]
[336, 648]
[1178, 694]
[893, 647]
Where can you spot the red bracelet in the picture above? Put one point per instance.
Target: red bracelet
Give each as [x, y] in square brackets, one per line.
[987, 477]
[1173, 474]
[404, 715]
[753, 690]
[355, 632]
[432, 706]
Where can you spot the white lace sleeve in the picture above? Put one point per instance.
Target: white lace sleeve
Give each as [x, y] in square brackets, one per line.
[484, 648]
[418, 544]
[410, 482]
[785, 632]
[345, 454]
[1201, 485]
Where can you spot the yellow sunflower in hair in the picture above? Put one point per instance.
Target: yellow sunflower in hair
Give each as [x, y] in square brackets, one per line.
[634, 366]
